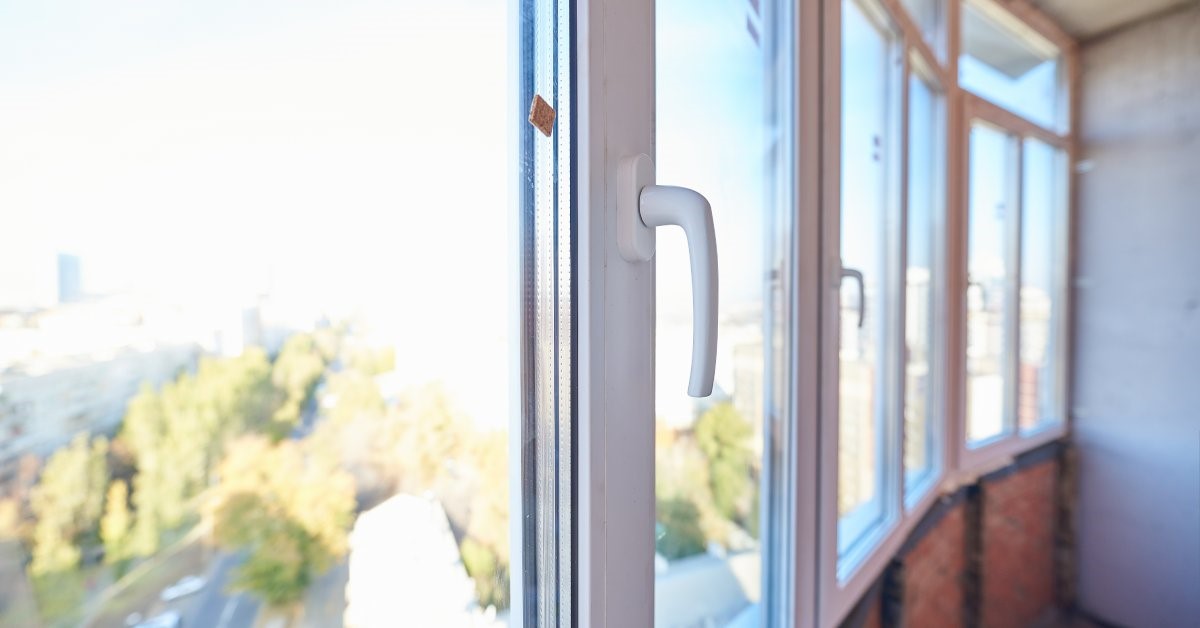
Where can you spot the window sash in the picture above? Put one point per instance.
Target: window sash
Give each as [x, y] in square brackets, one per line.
[936, 381]
[978, 457]
[838, 590]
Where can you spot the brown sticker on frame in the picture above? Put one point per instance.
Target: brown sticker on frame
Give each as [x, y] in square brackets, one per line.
[541, 115]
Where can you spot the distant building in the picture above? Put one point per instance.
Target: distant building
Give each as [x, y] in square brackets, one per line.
[72, 368]
[70, 278]
[236, 329]
[406, 570]
[40, 412]
[748, 390]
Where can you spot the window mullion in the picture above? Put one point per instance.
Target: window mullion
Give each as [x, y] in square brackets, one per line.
[1012, 315]
[900, 338]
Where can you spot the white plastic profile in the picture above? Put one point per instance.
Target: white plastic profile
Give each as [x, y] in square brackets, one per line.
[643, 206]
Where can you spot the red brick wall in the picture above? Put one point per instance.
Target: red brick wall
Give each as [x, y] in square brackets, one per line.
[874, 618]
[1017, 516]
[934, 569]
[986, 557]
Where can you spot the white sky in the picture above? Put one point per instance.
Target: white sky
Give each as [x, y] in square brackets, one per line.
[210, 150]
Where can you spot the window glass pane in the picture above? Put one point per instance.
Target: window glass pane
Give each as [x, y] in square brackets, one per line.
[926, 141]
[992, 201]
[1009, 64]
[1043, 209]
[234, 365]
[930, 17]
[721, 68]
[870, 125]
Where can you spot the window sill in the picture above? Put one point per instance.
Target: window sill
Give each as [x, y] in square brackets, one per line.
[978, 461]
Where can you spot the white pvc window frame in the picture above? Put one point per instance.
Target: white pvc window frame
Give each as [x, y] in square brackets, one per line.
[838, 593]
[615, 497]
[613, 577]
[1022, 27]
[975, 458]
[614, 561]
[857, 529]
[843, 580]
[918, 68]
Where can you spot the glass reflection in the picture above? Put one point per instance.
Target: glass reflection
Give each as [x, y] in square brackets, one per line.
[869, 195]
[1043, 206]
[991, 204]
[925, 201]
[721, 131]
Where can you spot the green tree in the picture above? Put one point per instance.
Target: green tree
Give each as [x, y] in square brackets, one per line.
[723, 435]
[328, 341]
[60, 597]
[490, 575]
[117, 523]
[405, 448]
[358, 398]
[678, 533]
[240, 397]
[433, 435]
[176, 436]
[358, 432]
[289, 509]
[16, 520]
[67, 503]
[485, 551]
[373, 361]
[10, 519]
[295, 373]
[158, 486]
[682, 473]
[686, 518]
[147, 529]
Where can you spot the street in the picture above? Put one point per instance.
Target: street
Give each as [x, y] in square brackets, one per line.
[214, 606]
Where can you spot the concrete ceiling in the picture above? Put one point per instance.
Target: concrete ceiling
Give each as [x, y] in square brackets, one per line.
[1085, 19]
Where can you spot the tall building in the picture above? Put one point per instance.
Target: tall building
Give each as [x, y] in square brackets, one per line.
[70, 278]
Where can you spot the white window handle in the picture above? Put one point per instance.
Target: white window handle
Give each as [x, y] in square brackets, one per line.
[641, 207]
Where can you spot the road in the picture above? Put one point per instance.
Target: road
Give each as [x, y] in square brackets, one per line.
[216, 608]
[325, 601]
[308, 415]
[213, 607]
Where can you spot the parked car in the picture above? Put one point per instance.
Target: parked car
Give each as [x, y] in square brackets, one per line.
[169, 619]
[186, 586]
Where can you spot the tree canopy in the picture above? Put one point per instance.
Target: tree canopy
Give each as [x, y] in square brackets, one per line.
[117, 523]
[178, 434]
[295, 373]
[67, 503]
[723, 435]
[289, 509]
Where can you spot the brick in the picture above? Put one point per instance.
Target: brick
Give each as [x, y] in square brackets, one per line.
[988, 560]
[933, 583]
[1018, 552]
